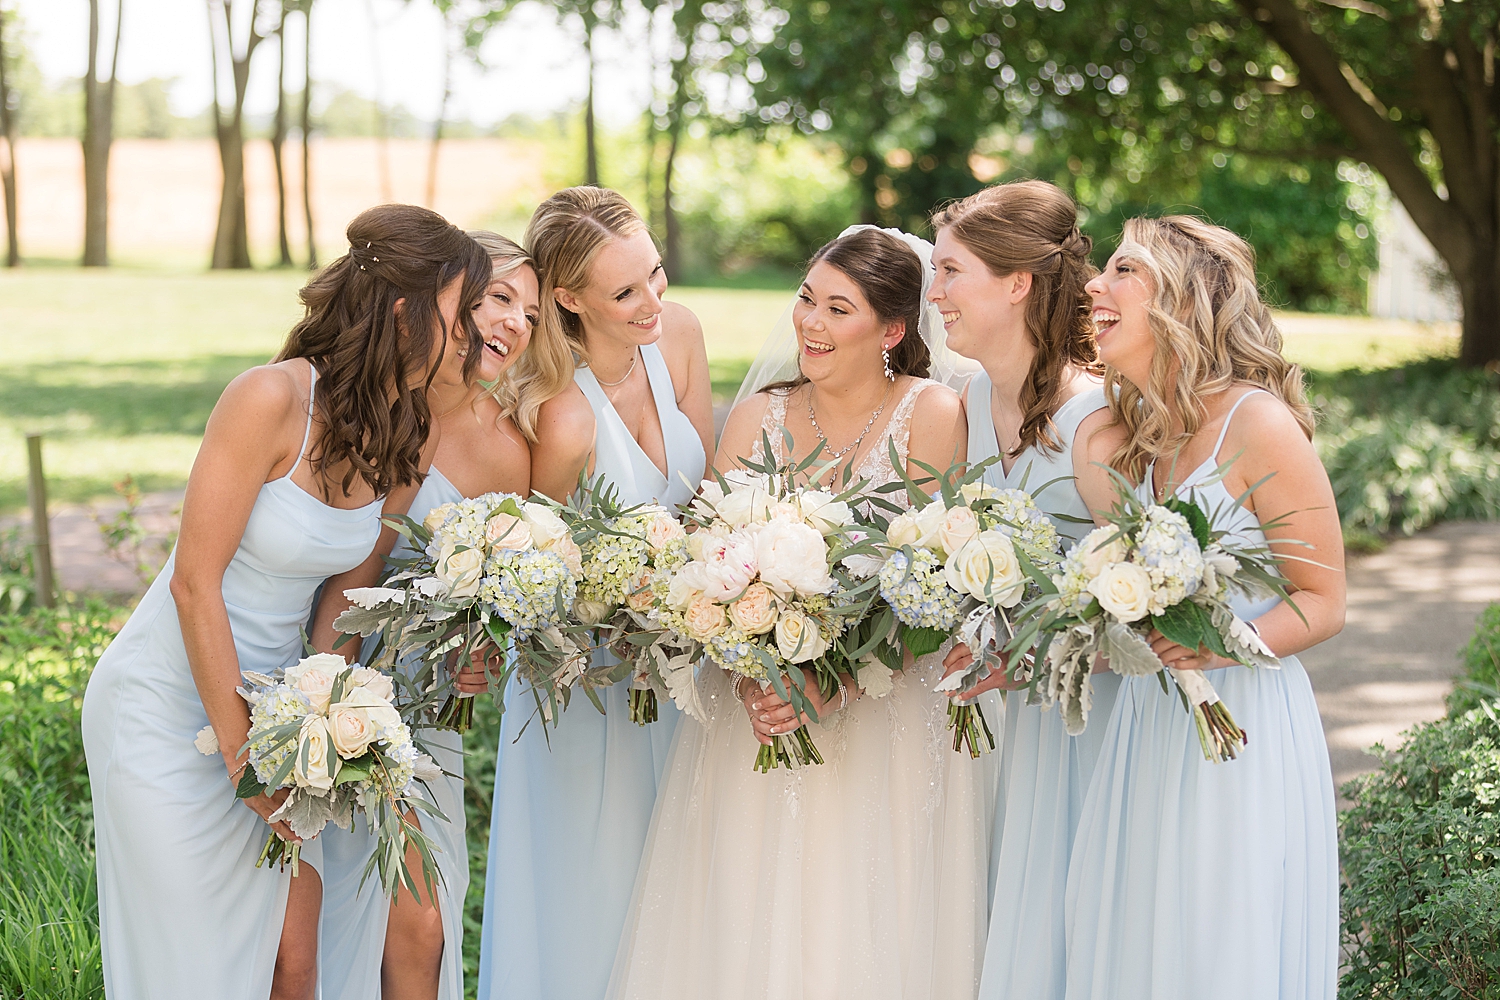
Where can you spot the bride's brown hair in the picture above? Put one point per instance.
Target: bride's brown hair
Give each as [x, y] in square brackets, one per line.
[1032, 226]
[365, 355]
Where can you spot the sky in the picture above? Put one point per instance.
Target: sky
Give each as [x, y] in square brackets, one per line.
[532, 65]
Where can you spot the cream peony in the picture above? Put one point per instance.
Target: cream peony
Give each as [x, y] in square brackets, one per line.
[798, 638]
[958, 527]
[1097, 554]
[1123, 590]
[755, 612]
[686, 584]
[459, 571]
[823, 512]
[729, 564]
[793, 559]
[704, 617]
[986, 567]
[546, 527]
[747, 505]
[506, 531]
[312, 767]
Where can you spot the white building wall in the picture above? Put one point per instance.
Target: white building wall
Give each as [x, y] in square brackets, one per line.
[1409, 282]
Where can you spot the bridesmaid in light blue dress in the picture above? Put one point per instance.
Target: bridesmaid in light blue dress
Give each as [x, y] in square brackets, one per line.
[1011, 269]
[269, 515]
[570, 819]
[1191, 878]
[413, 948]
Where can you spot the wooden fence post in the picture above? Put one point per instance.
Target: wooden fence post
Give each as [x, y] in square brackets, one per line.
[36, 489]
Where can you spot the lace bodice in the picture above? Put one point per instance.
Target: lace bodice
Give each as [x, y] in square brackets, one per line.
[875, 466]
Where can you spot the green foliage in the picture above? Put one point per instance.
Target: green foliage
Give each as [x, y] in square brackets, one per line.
[17, 579]
[49, 922]
[1480, 677]
[1407, 447]
[1421, 894]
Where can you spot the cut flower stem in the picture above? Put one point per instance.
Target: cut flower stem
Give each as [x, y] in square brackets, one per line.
[970, 729]
[790, 750]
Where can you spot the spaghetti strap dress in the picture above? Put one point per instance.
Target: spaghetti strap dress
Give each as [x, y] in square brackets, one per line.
[351, 944]
[1044, 772]
[862, 878]
[570, 820]
[183, 911]
[1198, 879]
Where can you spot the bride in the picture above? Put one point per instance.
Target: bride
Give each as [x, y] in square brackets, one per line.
[864, 876]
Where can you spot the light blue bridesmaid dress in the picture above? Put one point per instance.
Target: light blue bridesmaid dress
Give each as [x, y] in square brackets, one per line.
[1044, 772]
[1196, 879]
[570, 821]
[352, 942]
[183, 911]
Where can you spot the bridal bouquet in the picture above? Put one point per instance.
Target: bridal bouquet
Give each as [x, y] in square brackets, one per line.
[488, 570]
[628, 556]
[761, 593]
[1154, 566]
[957, 564]
[329, 733]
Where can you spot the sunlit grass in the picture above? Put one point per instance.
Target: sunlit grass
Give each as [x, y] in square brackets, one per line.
[120, 368]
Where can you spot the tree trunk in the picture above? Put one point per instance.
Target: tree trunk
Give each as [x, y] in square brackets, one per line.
[98, 133]
[231, 236]
[307, 211]
[437, 126]
[672, 255]
[1479, 292]
[8, 165]
[278, 142]
[590, 152]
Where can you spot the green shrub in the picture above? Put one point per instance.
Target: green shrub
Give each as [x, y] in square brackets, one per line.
[1480, 677]
[17, 580]
[1421, 894]
[1407, 447]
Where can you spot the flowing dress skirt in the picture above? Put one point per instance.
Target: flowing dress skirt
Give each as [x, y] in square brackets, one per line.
[862, 878]
[1196, 879]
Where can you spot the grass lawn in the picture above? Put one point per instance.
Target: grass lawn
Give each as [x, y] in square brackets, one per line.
[119, 369]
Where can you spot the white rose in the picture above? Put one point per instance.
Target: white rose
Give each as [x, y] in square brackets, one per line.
[823, 512]
[958, 527]
[1097, 554]
[729, 564]
[903, 529]
[460, 571]
[374, 681]
[382, 716]
[590, 612]
[350, 729]
[506, 531]
[436, 516]
[798, 638]
[331, 664]
[978, 490]
[793, 559]
[317, 686]
[1123, 590]
[986, 567]
[546, 527]
[661, 530]
[929, 523]
[704, 618]
[755, 612]
[311, 768]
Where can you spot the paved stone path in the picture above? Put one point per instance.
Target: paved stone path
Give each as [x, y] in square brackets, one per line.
[1411, 609]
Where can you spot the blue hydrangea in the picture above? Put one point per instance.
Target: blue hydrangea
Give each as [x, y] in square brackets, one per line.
[524, 588]
[913, 584]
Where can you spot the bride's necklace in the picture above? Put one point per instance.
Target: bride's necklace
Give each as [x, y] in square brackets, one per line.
[836, 455]
[628, 372]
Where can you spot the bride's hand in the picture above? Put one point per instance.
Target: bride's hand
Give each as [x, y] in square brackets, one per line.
[771, 716]
[960, 657]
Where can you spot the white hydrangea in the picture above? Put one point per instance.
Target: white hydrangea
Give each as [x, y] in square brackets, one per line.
[917, 590]
[1168, 550]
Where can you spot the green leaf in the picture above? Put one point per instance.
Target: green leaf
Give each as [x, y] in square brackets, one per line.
[1196, 519]
[1185, 624]
[922, 641]
[250, 786]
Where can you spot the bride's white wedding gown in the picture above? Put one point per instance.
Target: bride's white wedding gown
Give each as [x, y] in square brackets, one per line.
[864, 877]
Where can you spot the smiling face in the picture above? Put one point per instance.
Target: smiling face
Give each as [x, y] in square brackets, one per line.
[506, 318]
[622, 300]
[1122, 326]
[983, 313]
[837, 329]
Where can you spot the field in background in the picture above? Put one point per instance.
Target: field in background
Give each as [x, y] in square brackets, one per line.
[120, 368]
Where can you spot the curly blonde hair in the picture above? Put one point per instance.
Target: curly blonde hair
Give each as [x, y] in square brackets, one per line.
[565, 235]
[1211, 330]
[1032, 226]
